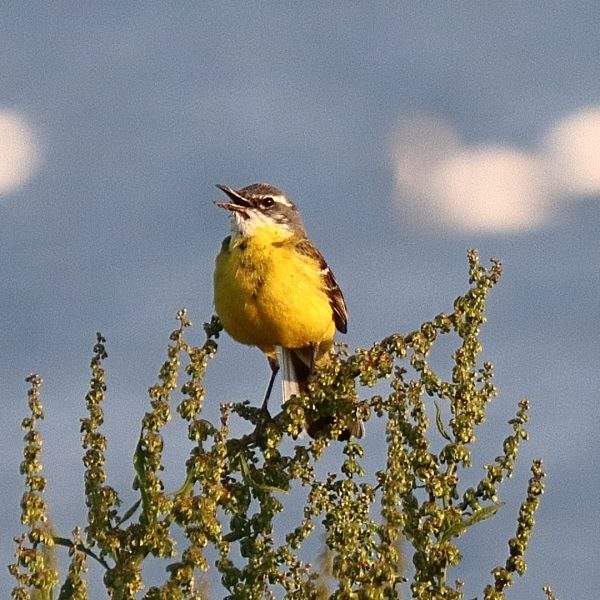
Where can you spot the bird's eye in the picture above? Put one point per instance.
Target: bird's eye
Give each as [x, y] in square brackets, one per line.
[267, 202]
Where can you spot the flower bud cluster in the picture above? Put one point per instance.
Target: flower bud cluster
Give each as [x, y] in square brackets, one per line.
[503, 576]
[34, 568]
[235, 488]
[101, 499]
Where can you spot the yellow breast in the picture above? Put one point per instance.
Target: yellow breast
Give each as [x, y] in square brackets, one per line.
[268, 294]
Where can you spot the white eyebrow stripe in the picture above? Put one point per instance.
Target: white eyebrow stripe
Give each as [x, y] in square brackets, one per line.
[280, 199]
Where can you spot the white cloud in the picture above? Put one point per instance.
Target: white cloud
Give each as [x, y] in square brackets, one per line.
[445, 182]
[18, 152]
[490, 189]
[573, 151]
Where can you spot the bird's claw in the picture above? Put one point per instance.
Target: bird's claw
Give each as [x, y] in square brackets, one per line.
[264, 419]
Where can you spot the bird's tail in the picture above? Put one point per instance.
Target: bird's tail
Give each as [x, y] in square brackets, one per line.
[297, 367]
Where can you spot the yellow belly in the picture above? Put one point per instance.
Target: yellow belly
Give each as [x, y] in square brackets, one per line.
[268, 294]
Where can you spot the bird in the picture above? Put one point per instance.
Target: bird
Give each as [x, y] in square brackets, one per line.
[274, 290]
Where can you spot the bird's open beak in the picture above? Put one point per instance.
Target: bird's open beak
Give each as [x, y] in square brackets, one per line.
[238, 203]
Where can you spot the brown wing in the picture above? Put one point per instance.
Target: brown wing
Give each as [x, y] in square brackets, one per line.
[336, 299]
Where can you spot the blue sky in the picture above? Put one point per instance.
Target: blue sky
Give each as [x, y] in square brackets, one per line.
[406, 132]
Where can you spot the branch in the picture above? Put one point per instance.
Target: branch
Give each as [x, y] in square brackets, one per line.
[67, 543]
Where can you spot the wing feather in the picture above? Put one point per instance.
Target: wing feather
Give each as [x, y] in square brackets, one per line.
[334, 293]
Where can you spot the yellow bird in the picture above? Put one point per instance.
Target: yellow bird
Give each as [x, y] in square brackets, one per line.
[273, 288]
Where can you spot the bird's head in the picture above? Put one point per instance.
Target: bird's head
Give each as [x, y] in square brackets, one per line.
[261, 205]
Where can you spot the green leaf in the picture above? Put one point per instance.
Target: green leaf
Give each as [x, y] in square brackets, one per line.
[439, 423]
[263, 487]
[481, 514]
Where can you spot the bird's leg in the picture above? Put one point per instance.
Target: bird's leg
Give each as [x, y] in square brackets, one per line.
[314, 351]
[274, 364]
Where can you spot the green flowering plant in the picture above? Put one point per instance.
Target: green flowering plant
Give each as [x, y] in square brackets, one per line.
[234, 488]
